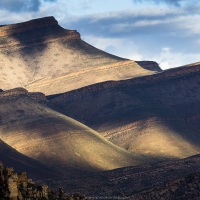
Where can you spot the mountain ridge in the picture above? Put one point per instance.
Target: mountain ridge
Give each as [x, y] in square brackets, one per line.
[55, 139]
[149, 79]
[156, 114]
[43, 57]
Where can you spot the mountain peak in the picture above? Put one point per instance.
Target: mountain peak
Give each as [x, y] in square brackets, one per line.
[41, 52]
[11, 29]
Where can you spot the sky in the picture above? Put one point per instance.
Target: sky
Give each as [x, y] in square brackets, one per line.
[165, 31]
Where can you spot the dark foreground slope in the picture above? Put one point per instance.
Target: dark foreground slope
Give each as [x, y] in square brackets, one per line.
[44, 57]
[156, 115]
[56, 140]
[187, 187]
[179, 179]
[159, 180]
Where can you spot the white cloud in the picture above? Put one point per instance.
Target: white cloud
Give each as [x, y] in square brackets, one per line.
[117, 46]
[168, 59]
[166, 49]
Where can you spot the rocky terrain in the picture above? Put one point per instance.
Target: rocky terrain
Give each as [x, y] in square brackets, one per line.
[17, 186]
[183, 188]
[167, 180]
[44, 57]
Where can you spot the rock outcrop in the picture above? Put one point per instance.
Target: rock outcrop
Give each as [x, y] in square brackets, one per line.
[41, 56]
[150, 65]
[22, 34]
[38, 96]
[15, 186]
[18, 92]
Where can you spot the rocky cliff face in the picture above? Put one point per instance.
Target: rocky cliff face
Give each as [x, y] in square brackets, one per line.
[17, 186]
[34, 32]
[30, 25]
[150, 65]
[18, 92]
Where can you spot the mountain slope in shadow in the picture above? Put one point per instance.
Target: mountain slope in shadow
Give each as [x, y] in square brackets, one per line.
[11, 158]
[130, 182]
[157, 115]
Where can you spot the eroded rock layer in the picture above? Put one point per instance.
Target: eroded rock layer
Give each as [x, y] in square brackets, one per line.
[44, 57]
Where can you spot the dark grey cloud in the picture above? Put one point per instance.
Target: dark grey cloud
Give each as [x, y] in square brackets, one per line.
[149, 32]
[125, 25]
[50, 0]
[20, 5]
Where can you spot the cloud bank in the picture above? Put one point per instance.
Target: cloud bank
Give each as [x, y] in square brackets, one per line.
[20, 5]
[169, 2]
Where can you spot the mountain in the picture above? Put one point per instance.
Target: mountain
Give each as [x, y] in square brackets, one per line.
[44, 57]
[157, 115]
[55, 139]
[103, 119]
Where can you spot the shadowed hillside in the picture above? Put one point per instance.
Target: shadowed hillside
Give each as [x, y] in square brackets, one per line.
[157, 115]
[11, 158]
[164, 178]
[44, 57]
[54, 139]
